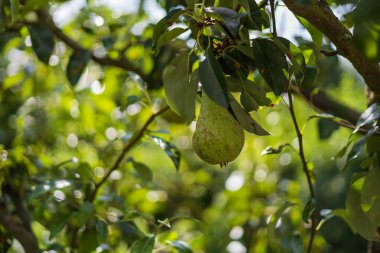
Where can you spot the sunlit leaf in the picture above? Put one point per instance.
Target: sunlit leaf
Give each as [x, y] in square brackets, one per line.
[169, 148]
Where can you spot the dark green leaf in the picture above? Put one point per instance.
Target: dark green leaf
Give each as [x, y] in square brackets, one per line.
[31, 5]
[181, 246]
[253, 96]
[326, 128]
[295, 56]
[308, 210]
[58, 225]
[129, 231]
[168, 36]
[271, 63]
[42, 42]
[169, 148]
[358, 146]
[144, 245]
[230, 19]
[85, 212]
[254, 13]
[180, 89]
[77, 62]
[271, 150]
[245, 119]
[370, 115]
[144, 172]
[309, 76]
[88, 241]
[213, 80]
[102, 230]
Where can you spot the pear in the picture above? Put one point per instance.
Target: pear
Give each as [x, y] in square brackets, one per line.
[218, 137]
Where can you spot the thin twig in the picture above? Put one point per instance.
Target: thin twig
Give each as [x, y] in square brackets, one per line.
[122, 62]
[304, 166]
[132, 142]
[328, 53]
[272, 10]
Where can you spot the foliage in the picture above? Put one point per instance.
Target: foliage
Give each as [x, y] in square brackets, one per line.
[97, 114]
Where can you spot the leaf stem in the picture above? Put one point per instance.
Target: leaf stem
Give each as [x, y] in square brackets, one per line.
[304, 167]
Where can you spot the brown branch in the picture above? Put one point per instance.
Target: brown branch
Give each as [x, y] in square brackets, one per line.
[16, 227]
[121, 62]
[319, 14]
[131, 143]
[328, 53]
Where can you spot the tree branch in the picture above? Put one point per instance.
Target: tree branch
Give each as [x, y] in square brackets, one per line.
[121, 62]
[321, 16]
[15, 226]
[132, 142]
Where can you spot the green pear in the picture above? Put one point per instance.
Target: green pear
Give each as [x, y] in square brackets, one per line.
[218, 137]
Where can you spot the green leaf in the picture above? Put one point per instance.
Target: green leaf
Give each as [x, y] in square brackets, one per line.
[271, 63]
[309, 76]
[272, 151]
[295, 56]
[162, 25]
[213, 81]
[168, 36]
[370, 115]
[31, 5]
[253, 96]
[170, 149]
[88, 241]
[358, 146]
[129, 231]
[245, 119]
[144, 245]
[42, 42]
[102, 230]
[370, 196]
[181, 246]
[275, 217]
[326, 128]
[230, 19]
[15, 7]
[359, 221]
[308, 210]
[144, 172]
[85, 172]
[315, 34]
[58, 225]
[180, 91]
[84, 213]
[253, 12]
[77, 63]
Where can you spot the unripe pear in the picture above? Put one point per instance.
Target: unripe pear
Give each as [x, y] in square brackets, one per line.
[218, 137]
